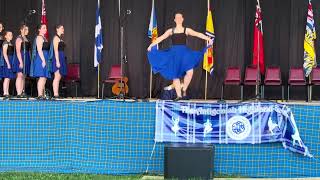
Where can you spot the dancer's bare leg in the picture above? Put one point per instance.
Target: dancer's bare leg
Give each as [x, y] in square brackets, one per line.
[177, 87]
[186, 81]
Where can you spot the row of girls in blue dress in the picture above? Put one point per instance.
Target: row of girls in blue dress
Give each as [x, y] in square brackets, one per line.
[39, 60]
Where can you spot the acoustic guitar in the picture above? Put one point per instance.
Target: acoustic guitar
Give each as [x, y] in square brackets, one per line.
[120, 86]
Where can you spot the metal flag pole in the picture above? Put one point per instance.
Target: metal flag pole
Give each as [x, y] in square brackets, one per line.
[98, 81]
[258, 63]
[206, 86]
[206, 81]
[150, 81]
[98, 78]
[150, 84]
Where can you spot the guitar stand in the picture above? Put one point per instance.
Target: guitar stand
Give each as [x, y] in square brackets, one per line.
[122, 91]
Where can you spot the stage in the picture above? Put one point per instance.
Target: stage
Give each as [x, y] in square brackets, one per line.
[89, 135]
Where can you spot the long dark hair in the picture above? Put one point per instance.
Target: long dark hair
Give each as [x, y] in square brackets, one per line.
[5, 33]
[57, 26]
[23, 26]
[177, 12]
[39, 27]
[2, 26]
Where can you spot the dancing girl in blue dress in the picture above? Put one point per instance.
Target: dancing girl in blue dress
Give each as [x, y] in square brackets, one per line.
[179, 60]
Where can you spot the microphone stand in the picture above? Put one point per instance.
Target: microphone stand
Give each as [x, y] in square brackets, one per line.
[123, 15]
[24, 56]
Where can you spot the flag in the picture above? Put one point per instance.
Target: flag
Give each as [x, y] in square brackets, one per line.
[208, 59]
[153, 30]
[309, 39]
[44, 19]
[98, 46]
[258, 52]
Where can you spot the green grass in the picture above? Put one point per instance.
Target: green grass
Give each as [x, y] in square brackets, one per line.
[45, 176]
[49, 176]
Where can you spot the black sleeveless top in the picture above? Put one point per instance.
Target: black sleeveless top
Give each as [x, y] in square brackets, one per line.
[10, 49]
[1, 39]
[61, 44]
[46, 44]
[179, 38]
[27, 43]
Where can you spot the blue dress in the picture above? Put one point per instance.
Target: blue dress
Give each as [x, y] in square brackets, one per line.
[8, 73]
[25, 54]
[173, 63]
[63, 65]
[36, 69]
[1, 58]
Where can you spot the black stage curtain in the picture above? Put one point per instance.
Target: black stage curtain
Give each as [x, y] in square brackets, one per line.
[284, 24]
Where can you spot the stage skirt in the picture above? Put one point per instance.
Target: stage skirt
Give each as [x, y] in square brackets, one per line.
[63, 64]
[38, 70]
[27, 63]
[174, 62]
[8, 73]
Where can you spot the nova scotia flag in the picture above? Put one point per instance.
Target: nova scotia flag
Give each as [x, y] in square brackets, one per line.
[153, 30]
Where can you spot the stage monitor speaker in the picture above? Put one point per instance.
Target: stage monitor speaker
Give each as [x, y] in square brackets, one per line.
[188, 161]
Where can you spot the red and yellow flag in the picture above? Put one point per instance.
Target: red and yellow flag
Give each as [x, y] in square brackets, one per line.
[208, 60]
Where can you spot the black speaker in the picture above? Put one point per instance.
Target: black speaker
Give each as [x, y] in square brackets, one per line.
[187, 161]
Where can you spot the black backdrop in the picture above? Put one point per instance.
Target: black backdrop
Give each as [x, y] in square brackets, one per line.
[283, 23]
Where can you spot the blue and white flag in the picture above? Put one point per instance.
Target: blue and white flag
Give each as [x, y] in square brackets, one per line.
[98, 46]
[251, 123]
[153, 30]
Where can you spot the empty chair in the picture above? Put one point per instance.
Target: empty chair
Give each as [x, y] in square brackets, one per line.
[296, 78]
[273, 78]
[113, 77]
[252, 77]
[314, 80]
[73, 76]
[233, 77]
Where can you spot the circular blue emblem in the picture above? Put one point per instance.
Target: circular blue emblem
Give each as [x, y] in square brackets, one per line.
[238, 127]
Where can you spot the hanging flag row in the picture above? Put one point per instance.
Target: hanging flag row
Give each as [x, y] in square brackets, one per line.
[310, 61]
[258, 47]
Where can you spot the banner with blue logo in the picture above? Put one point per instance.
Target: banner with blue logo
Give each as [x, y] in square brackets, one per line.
[253, 122]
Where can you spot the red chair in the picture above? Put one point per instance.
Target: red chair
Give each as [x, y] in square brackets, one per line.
[252, 77]
[296, 78]
[314, 80]
[113, 77]
[73, 76]
[233, 77]
[273, 78]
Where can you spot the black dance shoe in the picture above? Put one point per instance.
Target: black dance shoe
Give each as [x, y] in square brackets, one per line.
[40, 98]
[178, 99]
[6, 97]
